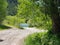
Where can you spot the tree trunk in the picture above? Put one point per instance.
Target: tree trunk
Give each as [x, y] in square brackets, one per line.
[55, 17]
[56, 24]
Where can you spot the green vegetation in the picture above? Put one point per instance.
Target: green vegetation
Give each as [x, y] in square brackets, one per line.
[29, 10]
[26, 10]
[50, 8]
[43, 38]
[4, 27]
[3, 7]
[13, 21]
[42, 14]
[39, 22]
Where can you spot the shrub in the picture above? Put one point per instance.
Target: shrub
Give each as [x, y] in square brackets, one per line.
[13, 21]
[42, 39]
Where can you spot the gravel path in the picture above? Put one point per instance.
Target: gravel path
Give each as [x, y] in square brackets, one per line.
[16, 36]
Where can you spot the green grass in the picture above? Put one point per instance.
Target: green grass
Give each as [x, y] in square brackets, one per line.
[42, 39]
[2, 27]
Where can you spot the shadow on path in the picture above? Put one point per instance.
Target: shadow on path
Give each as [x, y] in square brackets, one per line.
[4, 27]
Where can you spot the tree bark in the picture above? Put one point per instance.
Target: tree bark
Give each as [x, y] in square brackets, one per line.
[56, 24]
[55, 17]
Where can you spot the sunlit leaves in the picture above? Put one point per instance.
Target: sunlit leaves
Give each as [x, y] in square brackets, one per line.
[31, 10]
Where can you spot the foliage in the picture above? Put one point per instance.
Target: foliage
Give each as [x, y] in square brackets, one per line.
[39, 22]
[31, 10]
[53, 7]
[3, 7]
[42, 39]
[26, 9]
[43, 22]
[12, 7]
[13, 21]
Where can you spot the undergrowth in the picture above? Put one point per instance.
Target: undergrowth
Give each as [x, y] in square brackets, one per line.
[42, 39]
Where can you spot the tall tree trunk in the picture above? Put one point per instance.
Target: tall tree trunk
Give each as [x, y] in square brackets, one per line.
[56, 24]
[55, 17]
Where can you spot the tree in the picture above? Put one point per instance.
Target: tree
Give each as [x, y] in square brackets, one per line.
[12, 7]
[52, 8]
[3, 7]
[28, 9]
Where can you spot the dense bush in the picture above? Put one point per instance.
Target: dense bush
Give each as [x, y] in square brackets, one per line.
[13, 21]
[43, 22]
[42, 39]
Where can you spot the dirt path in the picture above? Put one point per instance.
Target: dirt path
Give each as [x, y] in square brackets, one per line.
[15, 36]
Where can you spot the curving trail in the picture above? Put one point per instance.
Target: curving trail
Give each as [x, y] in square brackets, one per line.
[16, 36]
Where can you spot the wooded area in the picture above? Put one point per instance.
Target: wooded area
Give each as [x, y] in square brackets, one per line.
[42, 14]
